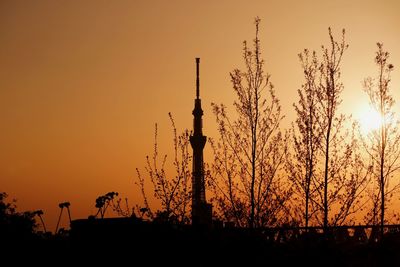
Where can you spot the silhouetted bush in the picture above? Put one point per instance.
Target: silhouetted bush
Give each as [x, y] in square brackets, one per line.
[15, 225]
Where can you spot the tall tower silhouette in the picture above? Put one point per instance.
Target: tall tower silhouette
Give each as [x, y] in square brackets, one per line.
[201, 210]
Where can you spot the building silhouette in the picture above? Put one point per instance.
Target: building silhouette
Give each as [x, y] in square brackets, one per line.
[201, 210]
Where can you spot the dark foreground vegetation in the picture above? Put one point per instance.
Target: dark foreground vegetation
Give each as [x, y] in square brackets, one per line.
[136, 242]
[223, 245]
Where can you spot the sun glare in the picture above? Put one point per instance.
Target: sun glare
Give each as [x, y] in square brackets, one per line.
[369, 119]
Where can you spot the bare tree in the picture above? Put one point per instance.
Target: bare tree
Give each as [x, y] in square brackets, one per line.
[329, 99]
[62, 206]
[174, 193]
[39, 213]
[251, 149]
[328, 170]
[383, 144]
[306, 136]
[103, 202]
[122, 210]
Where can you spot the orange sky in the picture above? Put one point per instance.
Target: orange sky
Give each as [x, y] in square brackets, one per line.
[83, 82]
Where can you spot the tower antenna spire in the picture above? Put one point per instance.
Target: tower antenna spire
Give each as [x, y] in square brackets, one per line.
[197, 78]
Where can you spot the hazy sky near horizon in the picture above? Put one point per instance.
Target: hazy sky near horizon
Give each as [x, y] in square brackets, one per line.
[82, 83]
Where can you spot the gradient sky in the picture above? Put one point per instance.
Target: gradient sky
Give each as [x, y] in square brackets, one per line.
[83, 82]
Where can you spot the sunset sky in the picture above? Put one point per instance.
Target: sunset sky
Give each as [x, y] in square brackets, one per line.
[82, 83]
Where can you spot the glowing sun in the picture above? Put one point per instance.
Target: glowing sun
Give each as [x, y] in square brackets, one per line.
[369, 119]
